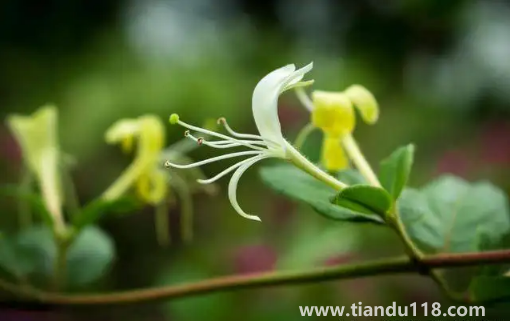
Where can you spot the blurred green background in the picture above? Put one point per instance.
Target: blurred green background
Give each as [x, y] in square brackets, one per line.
[439, 69]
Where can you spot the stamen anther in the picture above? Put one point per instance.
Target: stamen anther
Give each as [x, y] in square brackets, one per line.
[200, 140]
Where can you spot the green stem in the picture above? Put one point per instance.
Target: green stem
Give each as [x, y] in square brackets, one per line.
[161, 222]
[395, 221]
[304, 164]
[304, 99]
[380, 267]
[359, 160]
[126, 179]
[303, 135]
[417, 254]
[186, 202]
[60, 264]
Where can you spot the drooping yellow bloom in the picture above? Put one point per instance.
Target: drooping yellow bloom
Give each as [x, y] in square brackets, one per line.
[37, 136]
[144, 173]
[149, 179]
[334, 114]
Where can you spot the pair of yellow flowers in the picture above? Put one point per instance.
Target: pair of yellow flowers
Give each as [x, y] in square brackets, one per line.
[334, 114]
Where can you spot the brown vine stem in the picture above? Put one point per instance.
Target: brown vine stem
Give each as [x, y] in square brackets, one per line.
[351, 271]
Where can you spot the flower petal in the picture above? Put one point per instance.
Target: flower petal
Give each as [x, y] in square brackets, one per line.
[149, 133]
[333, 113]
[294, 80]
[265, 99]
[232, 186]
[152, 186]
[223, 173]
[365, 102]
[122, 129]
[37, 136]
[333, 155]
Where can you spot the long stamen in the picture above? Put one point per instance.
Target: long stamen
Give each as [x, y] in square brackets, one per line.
[223, 121]
[304, 99]
[222, 143]
[212, 160]
[226, 143]
[229, 144]
[174, 119]
[204, 131]
[246, 141]
[224, 172]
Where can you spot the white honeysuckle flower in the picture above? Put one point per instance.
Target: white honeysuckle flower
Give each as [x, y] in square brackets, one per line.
[269, 144]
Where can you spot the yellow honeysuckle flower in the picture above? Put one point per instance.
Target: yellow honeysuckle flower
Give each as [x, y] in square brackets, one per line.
[37, 136]
[334, 114]
[144, 173]
[149, 179]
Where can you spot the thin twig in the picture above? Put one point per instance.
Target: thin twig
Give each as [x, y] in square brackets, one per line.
[380, 267]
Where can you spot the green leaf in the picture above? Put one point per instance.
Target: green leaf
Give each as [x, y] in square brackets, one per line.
[394, 171]
[450, 215]
[89, 257]
[492, 282]
[13, 259]
[351, 177]
[40, 250]
[99, 207]
[365, 199]
[32, 252]
[300, 186]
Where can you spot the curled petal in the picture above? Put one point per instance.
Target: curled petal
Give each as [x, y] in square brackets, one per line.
[365, 102]
[232, 186]
[121, 129]
[294, 79]
[223, 173]
[152, 186]
[265, 100]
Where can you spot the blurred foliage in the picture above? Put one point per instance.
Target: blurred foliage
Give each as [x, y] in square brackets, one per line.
[439, 70]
